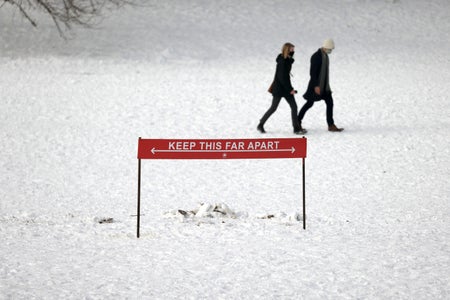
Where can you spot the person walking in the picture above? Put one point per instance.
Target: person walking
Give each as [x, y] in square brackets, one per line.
[282, 88]
[319, 85]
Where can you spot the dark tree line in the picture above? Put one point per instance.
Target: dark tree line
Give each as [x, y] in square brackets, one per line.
[65, 13]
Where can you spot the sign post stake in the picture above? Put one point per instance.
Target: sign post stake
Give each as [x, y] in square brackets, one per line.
[304, 194]
[139, 198]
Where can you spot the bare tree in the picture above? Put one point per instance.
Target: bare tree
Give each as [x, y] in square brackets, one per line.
[65, 13]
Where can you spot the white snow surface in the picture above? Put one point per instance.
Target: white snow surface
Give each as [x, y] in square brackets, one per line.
[377, 194]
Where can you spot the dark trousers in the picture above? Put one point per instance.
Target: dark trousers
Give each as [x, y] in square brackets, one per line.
[275, 102]
[328, 101]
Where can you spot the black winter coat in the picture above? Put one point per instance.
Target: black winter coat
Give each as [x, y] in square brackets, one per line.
[282, 86]
[314, 72]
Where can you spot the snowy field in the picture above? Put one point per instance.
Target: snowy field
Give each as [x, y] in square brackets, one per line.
[377, 194]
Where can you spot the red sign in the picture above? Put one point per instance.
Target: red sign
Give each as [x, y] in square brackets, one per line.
[221, 148]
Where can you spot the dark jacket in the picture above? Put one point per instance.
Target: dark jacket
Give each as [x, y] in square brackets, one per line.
[282, 86]
[314, 72]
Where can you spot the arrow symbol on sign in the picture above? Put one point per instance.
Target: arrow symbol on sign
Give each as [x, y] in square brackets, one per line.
[154, 151]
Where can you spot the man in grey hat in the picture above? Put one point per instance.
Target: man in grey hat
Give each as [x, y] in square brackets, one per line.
[319, 85]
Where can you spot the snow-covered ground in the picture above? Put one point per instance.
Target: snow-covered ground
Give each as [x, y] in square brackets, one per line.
[71, 112]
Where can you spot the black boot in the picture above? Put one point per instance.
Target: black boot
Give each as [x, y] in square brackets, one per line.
[300, 129]
[260, 128]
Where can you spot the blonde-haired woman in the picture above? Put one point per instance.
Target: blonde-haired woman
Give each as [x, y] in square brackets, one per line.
[282, 88]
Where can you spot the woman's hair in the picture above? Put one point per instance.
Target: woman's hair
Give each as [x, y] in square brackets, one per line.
[286, 48]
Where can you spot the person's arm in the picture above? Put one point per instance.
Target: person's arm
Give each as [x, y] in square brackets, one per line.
[316, 64]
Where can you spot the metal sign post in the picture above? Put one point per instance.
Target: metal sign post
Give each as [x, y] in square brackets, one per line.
[139, 198]
[220, 149]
